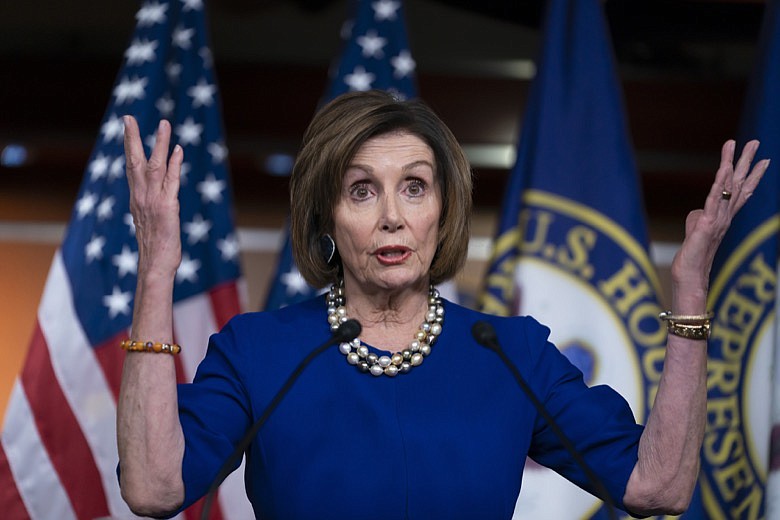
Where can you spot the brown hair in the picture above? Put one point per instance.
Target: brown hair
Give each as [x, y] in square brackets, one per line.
[333, 138]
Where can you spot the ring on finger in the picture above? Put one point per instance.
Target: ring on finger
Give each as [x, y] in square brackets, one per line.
[725, 195]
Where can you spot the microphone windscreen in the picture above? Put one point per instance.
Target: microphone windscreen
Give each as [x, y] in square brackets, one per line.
[485, 334]
[348, 330]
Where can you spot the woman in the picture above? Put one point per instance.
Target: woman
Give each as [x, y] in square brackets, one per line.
[380, 200]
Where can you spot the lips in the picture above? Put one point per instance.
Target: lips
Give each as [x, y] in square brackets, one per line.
[392, 255]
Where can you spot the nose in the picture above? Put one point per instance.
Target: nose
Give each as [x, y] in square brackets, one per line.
[391, 219]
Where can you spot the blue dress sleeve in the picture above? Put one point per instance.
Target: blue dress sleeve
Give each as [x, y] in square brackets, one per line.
[214, 411]
[598, 421]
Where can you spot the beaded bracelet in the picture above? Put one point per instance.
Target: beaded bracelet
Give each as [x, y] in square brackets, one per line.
[150, 346]
[690, 326]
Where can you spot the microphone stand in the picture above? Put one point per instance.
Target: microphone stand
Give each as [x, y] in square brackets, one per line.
[485, 335]
[347, 331]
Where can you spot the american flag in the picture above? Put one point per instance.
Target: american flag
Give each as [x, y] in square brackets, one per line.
[375, 55]
[58, 454]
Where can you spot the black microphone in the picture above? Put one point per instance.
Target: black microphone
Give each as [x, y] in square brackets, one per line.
[486, 336]
[347, 331]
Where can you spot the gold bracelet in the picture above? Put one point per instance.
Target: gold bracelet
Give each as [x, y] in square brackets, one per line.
[690, 326]
[150, 346]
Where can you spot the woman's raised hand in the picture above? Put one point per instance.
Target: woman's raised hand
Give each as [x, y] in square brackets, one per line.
[705, 228]
[154, 202]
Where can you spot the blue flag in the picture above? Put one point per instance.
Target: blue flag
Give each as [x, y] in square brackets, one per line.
[375, 56]
[58, 454]
[571, 246]
[736, 458]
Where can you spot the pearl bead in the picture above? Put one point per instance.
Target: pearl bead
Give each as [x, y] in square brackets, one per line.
[399, 362]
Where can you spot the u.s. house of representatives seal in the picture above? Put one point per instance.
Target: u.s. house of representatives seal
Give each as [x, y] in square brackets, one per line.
[592, 283]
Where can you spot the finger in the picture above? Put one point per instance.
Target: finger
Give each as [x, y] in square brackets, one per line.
[135, 158]
[157, 161]
[743, 163]
[751, 183]
[173, 175]
[725, 171]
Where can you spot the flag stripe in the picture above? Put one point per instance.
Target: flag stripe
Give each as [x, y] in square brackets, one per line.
[61, 432]
[224, 302]
[9, 494]
[193, 323]
[36, 479]
[82, 380]
[111, 357]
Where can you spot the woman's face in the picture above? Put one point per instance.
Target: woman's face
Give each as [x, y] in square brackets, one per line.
[386, 220]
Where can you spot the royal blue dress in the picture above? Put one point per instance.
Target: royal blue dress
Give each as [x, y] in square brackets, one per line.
[447, 440]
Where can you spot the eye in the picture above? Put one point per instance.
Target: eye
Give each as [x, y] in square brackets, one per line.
[359, 191]
[415, 188]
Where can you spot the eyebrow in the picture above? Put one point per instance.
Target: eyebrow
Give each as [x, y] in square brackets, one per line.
[406, 167]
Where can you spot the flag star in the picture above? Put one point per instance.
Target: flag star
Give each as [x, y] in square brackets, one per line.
[128, 220]
[118, 302]
[94, 248]
[359, 79]
[206, 56]
[228, 247]
[151, 13]
[105, 209]
[188, 269]
[98, 167]
[196, 5]
[173, 70]
[141, 51]
[130, 89]
[189, 132]
[117, 168]
[202, 94]
[211, 189]
[385, 9]
[372, 44]
[181, 37]
[403, 64]
[165, 105]
[218, 152]
[397, 94]
[185, 169]
[126, 262]
[150, 141]
[86, 204]
[112, 129]
[294, 282]
[197, 230]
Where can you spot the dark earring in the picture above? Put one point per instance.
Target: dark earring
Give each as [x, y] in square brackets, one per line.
[327, 248]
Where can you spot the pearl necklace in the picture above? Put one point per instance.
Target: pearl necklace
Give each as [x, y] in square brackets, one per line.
[358, 354]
